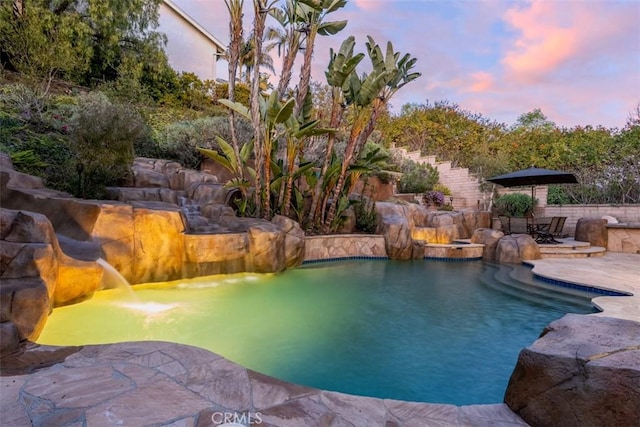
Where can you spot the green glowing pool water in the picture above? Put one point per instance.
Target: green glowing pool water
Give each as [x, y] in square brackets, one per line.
[413, 330]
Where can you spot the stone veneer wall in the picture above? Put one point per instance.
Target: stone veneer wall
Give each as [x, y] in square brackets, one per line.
[344, 246]
[623, 238]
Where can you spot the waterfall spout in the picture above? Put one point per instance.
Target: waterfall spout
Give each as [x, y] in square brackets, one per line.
[113, 279]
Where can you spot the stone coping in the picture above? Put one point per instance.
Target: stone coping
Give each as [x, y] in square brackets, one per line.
[454, 245]
[165, 384]
[633, 225]
[613, 271]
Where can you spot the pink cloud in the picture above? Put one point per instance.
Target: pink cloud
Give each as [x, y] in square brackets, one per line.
[481, 82]
[555, 36]
[547, 39]
[368, 4]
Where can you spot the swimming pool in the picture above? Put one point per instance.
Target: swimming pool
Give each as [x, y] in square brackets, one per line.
[426, 331]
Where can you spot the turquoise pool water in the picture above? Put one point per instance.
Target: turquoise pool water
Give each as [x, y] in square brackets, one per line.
[426, 331]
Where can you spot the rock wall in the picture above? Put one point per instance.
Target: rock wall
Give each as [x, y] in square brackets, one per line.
[582, 371]
[35, 276]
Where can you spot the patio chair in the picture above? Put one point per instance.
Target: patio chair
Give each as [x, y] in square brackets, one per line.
[556, 225]
[546, 233]
[519, 225]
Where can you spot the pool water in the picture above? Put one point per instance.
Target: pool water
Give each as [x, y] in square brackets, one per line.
[425, 331]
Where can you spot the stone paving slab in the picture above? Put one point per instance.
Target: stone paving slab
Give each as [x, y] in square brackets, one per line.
[128, 384]
[613, 271]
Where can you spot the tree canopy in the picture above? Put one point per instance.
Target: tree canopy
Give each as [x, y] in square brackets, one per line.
[83, 41]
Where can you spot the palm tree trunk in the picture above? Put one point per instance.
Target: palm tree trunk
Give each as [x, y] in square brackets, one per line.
[336, 117]
[235, 31]
[259, 7]
[289, 185]
[305, 72]
[350, 154]
[287, 71]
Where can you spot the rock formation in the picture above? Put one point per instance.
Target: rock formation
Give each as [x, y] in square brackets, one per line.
[401, 224]
[592, 230]
[489, 238]
[516, 248]
[51, 241]
[36, 275]
[583, 371]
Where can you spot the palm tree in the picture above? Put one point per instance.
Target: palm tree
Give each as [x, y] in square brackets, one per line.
[286, 39]
[248, 58]
[311, 14]
[235, 32]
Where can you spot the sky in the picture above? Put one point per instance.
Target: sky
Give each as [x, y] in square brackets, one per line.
[576, 60]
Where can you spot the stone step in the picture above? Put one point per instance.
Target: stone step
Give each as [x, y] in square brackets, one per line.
[521, 284]
[588, 252]
[568, 244]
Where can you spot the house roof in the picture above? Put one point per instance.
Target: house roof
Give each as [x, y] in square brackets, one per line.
[220, 47]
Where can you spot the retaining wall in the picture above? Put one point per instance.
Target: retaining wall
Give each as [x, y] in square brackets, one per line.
[623, 213]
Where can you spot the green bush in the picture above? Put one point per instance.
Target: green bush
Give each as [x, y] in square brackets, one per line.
[515, 204]
[417, 178]
[180, 140]
[35, 150]
[102, 137]
[23, 103]
[366, 216]
[557, 196]
[442, 188]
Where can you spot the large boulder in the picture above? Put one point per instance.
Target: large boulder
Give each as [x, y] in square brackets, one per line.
[144, 178]
[516, 248]
[475, 219]
[294, 240]
[394, 223]
[25, 303]
[582, 371]
[266, 247]
[592, 230]
[489, 238]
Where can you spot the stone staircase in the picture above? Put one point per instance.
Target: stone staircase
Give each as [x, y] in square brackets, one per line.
[571, 248]
[463, 184]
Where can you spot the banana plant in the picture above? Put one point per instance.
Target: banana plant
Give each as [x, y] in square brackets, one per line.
[341, 65]
[271, 114]
[296, 132]
[369, 95]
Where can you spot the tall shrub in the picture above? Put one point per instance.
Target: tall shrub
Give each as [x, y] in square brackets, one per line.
[515, 204]
[417, 178]
[102, 137]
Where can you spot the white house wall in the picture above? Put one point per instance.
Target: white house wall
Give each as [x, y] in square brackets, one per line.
[188, 49]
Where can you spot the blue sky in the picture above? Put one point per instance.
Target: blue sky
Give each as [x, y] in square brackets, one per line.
[576, 60]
